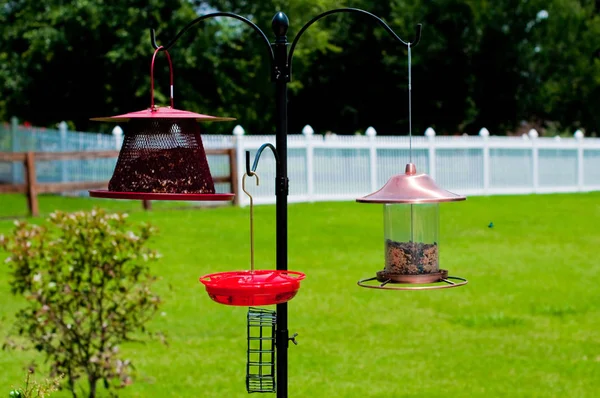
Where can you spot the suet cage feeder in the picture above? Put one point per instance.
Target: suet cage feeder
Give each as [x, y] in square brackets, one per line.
[260, 364]
[411, 233]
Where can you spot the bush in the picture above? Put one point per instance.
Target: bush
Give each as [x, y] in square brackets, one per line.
[87, 283]
[34, 389]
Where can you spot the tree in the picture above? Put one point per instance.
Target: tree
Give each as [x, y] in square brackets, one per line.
[76, 60]
[490, 63]
[560, 63]
[231, 64]
[87, 283]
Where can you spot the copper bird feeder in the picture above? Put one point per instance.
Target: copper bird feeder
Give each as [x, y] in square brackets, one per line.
[162, 157]
[411, 230]
[411, 227]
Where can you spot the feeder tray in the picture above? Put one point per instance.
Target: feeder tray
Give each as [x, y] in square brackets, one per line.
[252, 288]
[162, 157]
[438, 280]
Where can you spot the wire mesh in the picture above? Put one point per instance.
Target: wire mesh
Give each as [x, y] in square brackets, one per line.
[162, 156]
[260, 367]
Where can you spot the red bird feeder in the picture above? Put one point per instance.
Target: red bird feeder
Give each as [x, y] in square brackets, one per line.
[254, 287]
[162, 157]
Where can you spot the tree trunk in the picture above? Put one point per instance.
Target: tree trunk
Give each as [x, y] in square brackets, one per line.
[72, 383]
[93, 382]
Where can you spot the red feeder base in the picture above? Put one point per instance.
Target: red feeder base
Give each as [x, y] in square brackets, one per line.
[252, 288]
[103, 193]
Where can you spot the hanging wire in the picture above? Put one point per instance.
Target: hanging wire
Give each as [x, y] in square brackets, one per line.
[412, 238]
[409, 108]
[251, 217]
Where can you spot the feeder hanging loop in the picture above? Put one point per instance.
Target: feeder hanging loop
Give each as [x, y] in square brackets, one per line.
[161, 48]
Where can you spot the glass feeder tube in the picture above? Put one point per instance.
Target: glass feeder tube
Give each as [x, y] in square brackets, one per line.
[411, 233]
[411, 230]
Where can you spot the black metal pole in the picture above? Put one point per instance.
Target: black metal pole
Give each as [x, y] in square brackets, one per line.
[280, 25]
[281, 75]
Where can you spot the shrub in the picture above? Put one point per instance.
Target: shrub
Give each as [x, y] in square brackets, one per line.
[87, 283]
[35, 389]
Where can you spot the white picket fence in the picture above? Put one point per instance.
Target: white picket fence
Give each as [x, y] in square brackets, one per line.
[335, 168]
[338, 168]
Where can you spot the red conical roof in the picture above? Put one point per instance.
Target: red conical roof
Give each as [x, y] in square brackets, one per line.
[162, 113]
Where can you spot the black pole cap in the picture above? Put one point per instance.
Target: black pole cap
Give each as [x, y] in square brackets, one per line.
[280, 24]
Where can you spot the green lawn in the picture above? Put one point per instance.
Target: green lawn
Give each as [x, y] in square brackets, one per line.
[526, 325]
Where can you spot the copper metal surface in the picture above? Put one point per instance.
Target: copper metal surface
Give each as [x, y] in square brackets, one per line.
[383, 276]
[446, 283]
[411, 187]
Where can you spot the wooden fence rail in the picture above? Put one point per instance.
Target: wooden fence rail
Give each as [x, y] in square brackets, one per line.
[31, 188]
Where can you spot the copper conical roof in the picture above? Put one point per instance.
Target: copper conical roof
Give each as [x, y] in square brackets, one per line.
[411, 187]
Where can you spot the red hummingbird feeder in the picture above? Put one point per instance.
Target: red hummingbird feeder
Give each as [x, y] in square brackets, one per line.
[162, 157]
[254, 287]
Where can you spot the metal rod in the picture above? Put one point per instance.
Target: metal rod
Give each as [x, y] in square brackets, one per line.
[250, 171]
[213, 15]
[412, 226]
[409, 108]
[280, 26]
[251, 217]
[356, 11]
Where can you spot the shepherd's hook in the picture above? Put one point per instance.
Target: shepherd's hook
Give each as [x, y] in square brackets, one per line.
[251, 216]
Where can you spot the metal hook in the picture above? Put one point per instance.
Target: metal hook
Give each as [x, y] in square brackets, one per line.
[251, 216]
[417, 39]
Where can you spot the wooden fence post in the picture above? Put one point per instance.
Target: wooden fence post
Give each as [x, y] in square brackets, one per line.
[14, 147]
[32, 199]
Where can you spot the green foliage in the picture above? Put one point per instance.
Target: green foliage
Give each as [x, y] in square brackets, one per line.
[76, 60]
[35, 389]
[480, 64]
[87, 283]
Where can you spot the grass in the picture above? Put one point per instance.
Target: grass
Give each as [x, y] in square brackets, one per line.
[526, 325]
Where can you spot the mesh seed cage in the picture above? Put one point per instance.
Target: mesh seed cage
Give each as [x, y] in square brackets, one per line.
[162, 156]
